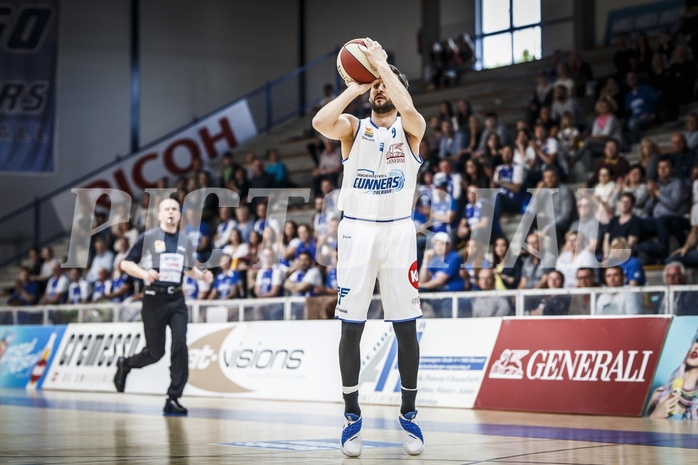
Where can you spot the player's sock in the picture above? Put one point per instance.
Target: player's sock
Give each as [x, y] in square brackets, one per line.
[408, 400]
[351, 400]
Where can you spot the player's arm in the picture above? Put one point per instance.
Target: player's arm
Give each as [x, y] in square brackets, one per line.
[331, 122]
[199, 275]
[412, 120]
[135, 270]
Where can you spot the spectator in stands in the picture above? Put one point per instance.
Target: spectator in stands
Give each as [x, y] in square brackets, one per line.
[306, 242]
[441, 266]
[120, 288]
[446, 113]
[48, 260]
[210, 203]
[524, 153]
[475, 175]
[329, 165]
[621, 59]
[564, 77]
[121, 247]
[557, 304]
[509, 178]
[454, 179]
[603, 193]
[624, 224]
[225, 224]
[228, 283]
[227, 169]
[685, 302]
[564, 204]
[101, 286]
[260, 178]
[581, 72]
[605, 127]
[33, 262]
[649, 157]
[643, 52]
[687, 254]
[56, 288]
[669, 202]
[477, 218]
[79, 291]
[289, 242]
[587, 225]
[464, 111]
[127, 231]
[632, 267]
[443, 209]
[270, 276]
[617, 303]
[277, 168]
[303, 278]
[545, 118]
[474, 260]
[492, 125]
[613, 160]
[432, 136]
[195, 289]
[640, 106]
[103, 258]
[615, 96]
[542, 96]
[327, 243]
[633, 183]
[682, 81]
[236, 249]
[563, 103]
[25, 292]
[575, 254]
[683, 159]
[245, 222]
[489, 306]
[534, 270]
[504, 278]
[547, 151]
[453, 144]
[691, 132]
[239, 184]
[568, 136]
[201, 237]
[580, 304]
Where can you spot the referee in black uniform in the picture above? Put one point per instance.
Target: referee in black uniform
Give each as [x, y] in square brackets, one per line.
[163, 302]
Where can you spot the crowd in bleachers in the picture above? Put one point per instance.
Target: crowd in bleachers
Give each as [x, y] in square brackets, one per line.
[557, 143]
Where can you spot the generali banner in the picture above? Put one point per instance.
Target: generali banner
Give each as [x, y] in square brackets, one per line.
[591, 366]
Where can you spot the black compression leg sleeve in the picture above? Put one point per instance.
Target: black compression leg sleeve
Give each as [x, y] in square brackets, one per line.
[407, 362]
[350, 364]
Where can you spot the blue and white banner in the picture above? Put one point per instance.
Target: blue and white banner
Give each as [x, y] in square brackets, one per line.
[649, 18]
[28, 54]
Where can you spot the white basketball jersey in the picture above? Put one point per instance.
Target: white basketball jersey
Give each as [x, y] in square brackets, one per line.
[380, 174]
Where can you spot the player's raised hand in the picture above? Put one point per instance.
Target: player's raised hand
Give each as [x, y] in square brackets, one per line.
[375, 52]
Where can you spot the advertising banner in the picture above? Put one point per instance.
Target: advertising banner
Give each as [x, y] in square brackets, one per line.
[284, 360]
[86, 359]
[453, 357]
[25, 354]
[673, 394]
[649, 18]
[566, 365]
[28, 57]
[205, 140]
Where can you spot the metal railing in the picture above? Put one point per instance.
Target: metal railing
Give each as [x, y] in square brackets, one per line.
[456, 305]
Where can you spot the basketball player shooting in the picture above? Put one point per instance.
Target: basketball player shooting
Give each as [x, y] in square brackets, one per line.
[377, 238]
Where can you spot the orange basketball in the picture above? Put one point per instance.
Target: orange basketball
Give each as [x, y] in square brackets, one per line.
[352, 63]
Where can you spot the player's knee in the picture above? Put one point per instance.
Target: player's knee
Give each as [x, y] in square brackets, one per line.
[351, 332]
[405, 329]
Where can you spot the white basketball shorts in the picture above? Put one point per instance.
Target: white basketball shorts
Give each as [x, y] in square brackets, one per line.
[387, 251]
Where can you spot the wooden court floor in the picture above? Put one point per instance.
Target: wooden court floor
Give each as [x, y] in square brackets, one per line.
[88, 428]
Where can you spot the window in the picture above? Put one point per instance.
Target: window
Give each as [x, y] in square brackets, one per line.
[509, 31]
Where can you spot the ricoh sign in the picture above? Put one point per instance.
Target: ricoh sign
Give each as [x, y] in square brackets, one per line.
[597, 366]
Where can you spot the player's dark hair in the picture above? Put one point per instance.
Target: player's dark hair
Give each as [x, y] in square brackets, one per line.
[400, 76]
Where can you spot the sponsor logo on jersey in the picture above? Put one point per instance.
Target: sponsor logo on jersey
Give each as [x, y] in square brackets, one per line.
[159, 246]
[368, 133]
[413, 275]
[395, 153]
[379, 184]
[342, 292]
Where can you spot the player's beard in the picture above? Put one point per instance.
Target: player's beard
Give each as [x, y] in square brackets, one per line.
[383, 108]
